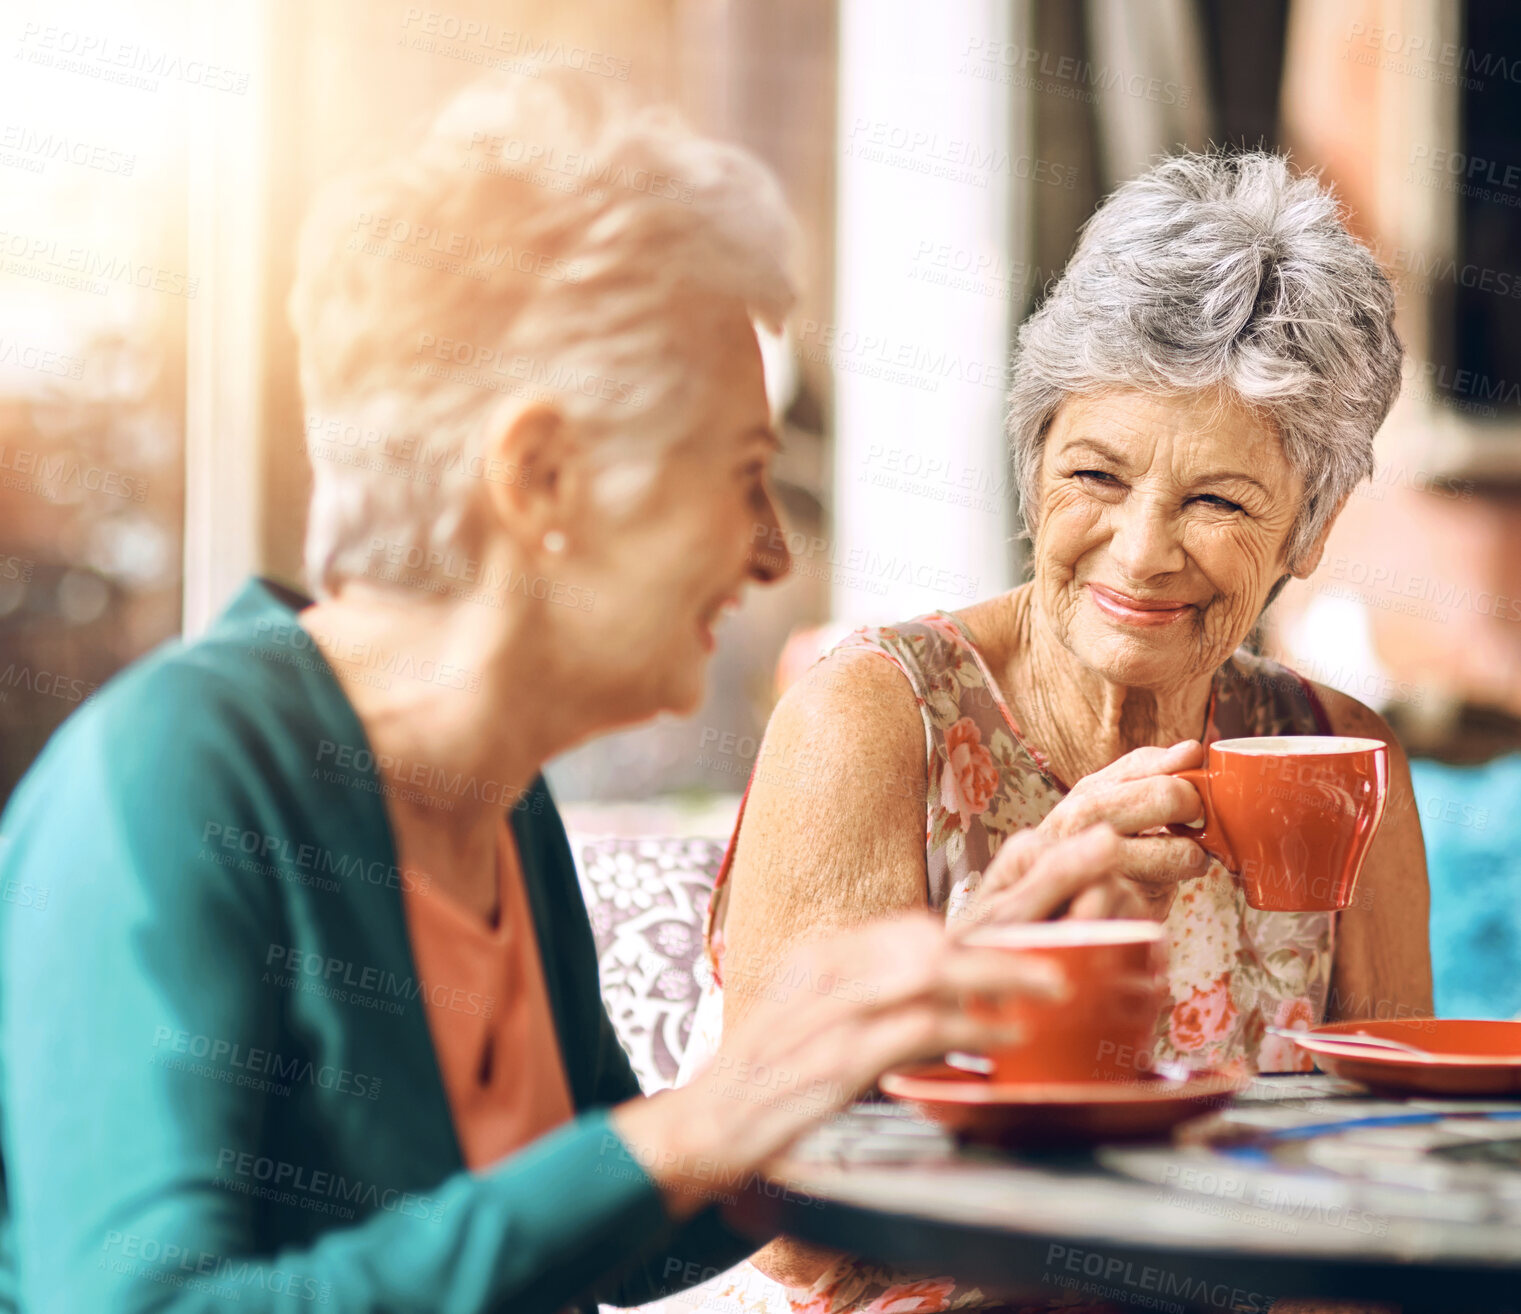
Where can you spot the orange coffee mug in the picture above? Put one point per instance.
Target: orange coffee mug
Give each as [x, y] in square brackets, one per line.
[1292, 815]
[1099, 1032]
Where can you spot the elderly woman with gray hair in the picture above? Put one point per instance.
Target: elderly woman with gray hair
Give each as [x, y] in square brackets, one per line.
[1191, 407]
[311, 1016]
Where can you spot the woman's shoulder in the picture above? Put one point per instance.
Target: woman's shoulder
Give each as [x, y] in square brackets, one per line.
[1245, 667]
[882, 699]
[1256, 695]
[939, 648]
[1281, 698]
[148, 795]
[163, 701]
[924, 642]
[850, 726]
[197, 746]
[851, 697]
[1346, 715]
[186, 708]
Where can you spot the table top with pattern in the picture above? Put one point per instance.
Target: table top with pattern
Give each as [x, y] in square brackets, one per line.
[1302, 1186]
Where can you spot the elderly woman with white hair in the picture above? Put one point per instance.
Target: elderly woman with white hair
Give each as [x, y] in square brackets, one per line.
[1190, 409]
[311, 1015]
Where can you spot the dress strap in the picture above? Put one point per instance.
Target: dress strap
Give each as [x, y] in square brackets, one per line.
[712, 927]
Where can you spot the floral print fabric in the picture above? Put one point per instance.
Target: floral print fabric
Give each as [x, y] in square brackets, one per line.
[1233, 971]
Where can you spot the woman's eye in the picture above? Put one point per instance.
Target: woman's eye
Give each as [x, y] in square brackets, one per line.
[1100, 477]
[1222, 503]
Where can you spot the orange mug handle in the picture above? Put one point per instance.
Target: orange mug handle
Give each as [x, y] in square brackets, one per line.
[1210, 836]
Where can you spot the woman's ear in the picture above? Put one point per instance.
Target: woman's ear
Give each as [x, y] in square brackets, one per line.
[532, 473]
[1303, 565]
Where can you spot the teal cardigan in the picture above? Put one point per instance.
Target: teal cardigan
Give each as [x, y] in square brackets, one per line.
[217, 1083]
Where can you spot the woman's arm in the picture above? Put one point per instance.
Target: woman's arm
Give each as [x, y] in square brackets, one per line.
[143, 1051]
[833, 831]
[139, 1018]
[1382, 967]
[833, 835]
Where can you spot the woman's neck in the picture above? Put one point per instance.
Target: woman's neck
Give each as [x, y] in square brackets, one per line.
[1080, 720]
[440, 687]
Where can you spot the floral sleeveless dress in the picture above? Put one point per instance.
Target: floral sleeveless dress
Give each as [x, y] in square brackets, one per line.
[1233, 971]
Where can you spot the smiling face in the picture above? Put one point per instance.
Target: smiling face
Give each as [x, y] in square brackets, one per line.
[664, 564]
[1163, 528]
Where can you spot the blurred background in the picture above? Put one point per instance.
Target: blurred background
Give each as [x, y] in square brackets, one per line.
[156, 157]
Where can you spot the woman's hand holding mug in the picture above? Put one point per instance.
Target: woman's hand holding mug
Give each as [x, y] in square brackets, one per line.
[842, 1010]
[824, 1026]
[1135, 795]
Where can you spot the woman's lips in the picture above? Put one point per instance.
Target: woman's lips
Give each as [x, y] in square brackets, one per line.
[1137, 611]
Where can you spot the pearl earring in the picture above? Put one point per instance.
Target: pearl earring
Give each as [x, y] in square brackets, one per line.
[554, 541]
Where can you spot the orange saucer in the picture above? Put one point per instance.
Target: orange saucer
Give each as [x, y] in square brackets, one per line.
[1463, 1056]
[980, 1109]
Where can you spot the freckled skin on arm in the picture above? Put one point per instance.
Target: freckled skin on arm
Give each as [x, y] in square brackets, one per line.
[1383, 951]
[833, 836]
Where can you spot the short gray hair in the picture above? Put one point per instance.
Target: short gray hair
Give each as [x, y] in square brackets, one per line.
[540, 242]
[1221, 272]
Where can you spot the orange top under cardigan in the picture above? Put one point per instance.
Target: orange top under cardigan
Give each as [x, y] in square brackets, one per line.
[488, 1013]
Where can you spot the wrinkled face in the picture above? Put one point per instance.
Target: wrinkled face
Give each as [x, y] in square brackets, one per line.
[665, 563]
[1163, 527]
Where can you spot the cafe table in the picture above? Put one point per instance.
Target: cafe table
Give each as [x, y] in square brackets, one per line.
[1301, 1186]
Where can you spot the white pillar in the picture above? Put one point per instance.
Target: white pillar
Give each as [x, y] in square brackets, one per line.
[225, 483]
[933, 178]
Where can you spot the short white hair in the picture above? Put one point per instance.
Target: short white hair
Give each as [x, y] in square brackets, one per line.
[1221, 272]
[536, 244]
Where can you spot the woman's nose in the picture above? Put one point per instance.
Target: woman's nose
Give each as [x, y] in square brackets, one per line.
[1145, 542]
[769, 559]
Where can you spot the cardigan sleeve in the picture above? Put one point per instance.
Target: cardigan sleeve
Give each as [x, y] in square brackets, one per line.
[704, 1246]
[124, 994]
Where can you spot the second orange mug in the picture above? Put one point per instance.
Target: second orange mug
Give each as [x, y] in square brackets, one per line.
[1292, 815]
[1097, 1033]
